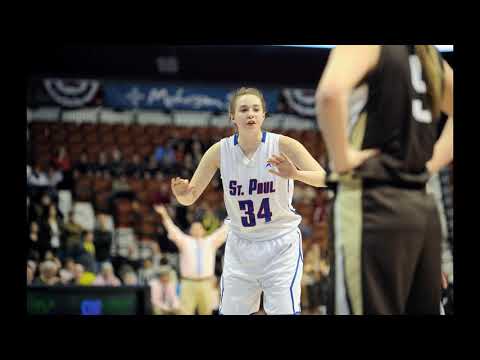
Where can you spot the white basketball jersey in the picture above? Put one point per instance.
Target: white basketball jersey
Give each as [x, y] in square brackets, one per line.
[258, 203]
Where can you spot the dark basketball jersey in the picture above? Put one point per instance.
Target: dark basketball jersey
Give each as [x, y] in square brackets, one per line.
[390, 110]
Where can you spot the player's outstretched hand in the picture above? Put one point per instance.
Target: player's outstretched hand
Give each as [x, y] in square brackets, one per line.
[285, 167]
[181, 187]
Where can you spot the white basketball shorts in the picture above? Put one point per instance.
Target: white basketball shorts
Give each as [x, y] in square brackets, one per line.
[272, 266]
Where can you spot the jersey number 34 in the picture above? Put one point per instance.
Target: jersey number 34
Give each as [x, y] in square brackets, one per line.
[263, 213]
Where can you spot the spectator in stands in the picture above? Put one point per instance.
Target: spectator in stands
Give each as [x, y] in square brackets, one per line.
[102, 167]
[127, 275]
[107, 276]
[169, 159]
[78, 272]
[82, 277]
[136, 216]
[45, 202]
[37, 181]
[145, 250]
[117, 164]
[188, 165]
[163, 293]
[48, 274]
[130, 278]
[62, 163]
[83, 167]
[102, 239]
[180, 152]
[62, 160]
[197, 153]
[32, 264]
[33, 244]
[121, 188]
[152, 168]
[37, 178]
[157, 255]
[52, 225]
[54, 176]
[87, 260]
[34, 210]
[49, 255]
[135, 168]
[123, 269]
[67, 273]
[44, 238]
[210, 220]
[165, 155]
[147, 271]
[88, 244]
[72, 237]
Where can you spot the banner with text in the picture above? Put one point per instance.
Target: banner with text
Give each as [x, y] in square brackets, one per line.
[141, 96]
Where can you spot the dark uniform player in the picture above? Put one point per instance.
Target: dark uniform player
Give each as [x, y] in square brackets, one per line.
[386, 229]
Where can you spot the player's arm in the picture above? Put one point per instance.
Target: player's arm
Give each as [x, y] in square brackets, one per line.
[295, 162]
[347, 65]
[219, 236]
[443, 149]
[188, 192]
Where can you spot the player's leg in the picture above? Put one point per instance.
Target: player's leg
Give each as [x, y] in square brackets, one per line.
[239, 288]
[425, 292]
[393, 222]
[239, 295]
[283, 275]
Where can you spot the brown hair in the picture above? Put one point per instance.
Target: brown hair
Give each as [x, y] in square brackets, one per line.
[433, 71]
[246, 91]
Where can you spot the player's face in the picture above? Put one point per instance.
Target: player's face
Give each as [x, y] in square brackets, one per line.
[249, 113]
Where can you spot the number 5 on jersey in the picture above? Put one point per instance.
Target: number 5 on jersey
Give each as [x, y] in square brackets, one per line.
[419, 113]
[263, 213]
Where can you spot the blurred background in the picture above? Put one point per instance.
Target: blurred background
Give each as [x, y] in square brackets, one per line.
[107, 128]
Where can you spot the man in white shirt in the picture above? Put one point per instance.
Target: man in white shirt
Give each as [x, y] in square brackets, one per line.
[197, 262]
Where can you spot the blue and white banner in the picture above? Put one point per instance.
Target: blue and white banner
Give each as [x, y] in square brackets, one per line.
[130, 96]
[71, 92]
[300, 101]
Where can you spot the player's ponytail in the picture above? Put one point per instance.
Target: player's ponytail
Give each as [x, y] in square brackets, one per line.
[433, 71]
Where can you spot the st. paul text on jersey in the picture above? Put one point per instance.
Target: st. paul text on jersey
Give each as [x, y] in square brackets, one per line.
[254, 186]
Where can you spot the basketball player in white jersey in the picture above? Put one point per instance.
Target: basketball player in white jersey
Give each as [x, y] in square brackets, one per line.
[264, 247]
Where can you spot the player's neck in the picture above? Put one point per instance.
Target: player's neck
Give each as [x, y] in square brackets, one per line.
[249, 142]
